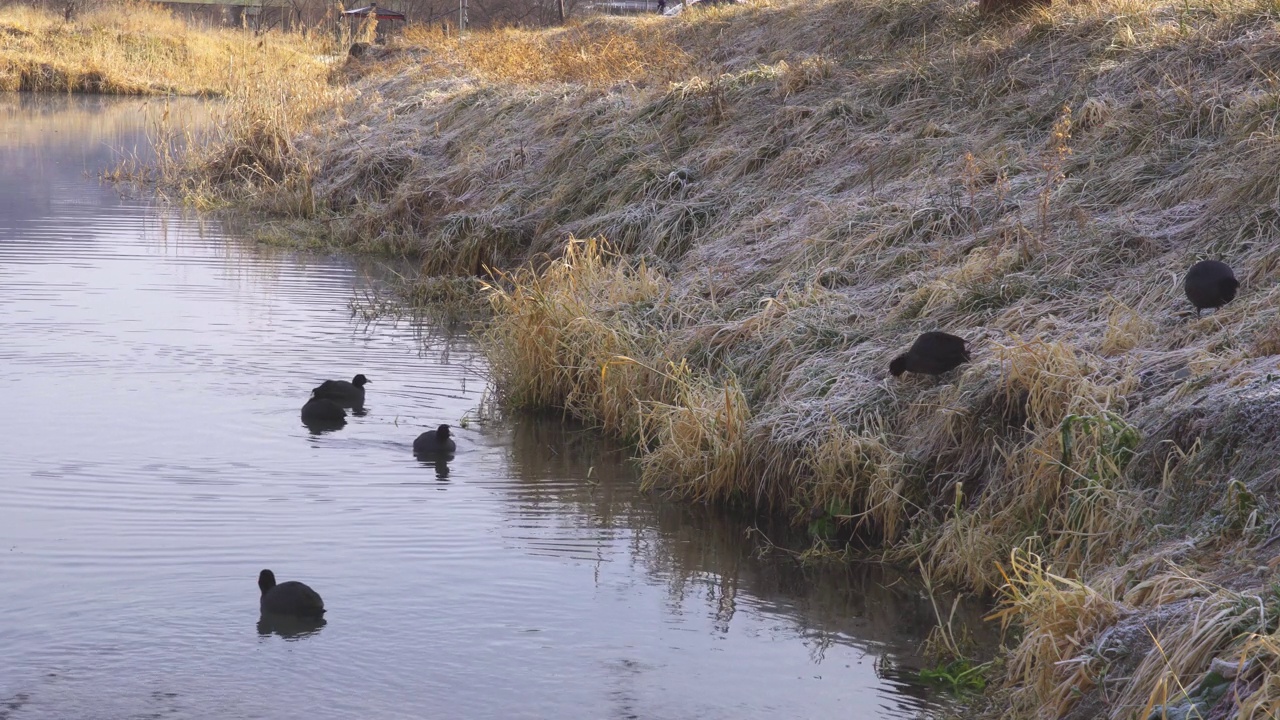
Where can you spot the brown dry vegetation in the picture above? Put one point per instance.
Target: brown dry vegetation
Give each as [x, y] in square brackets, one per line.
[787, 194]
[274, 82]
[133, 48]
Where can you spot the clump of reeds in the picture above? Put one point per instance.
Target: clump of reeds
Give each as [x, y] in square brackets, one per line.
[857, 475]
[1060, 617]
[571, 335]
[559, 339]
[250, 152]
[697, 444]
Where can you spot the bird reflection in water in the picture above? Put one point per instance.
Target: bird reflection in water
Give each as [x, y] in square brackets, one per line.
[288, 627]
[320, 428]
[441, 465]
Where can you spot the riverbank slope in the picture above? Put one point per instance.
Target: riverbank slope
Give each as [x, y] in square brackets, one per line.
[788, 194]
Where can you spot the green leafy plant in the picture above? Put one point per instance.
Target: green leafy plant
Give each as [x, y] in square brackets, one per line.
[958, 676]
[825, 521]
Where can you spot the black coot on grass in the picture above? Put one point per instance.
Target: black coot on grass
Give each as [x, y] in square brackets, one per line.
[323, 412]
[350, 394]
[1210, 284]
[434, 442]
[288, 598]
[933, 353]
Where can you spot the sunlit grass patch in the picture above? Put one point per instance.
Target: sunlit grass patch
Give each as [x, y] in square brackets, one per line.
[134, 48]
[555, 341]
[601, 51]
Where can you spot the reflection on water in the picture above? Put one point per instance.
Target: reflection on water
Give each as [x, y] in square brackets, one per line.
[320, 427]
[699, 551]
[154, 462]
[74, 124]
[289, 628]
[439, 465]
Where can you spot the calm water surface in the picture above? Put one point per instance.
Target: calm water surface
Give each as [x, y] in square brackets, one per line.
[154, 461]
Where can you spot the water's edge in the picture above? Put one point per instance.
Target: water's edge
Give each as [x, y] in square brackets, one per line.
[157, 368]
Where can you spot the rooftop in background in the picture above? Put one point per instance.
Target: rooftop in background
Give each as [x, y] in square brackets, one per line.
[382, 14]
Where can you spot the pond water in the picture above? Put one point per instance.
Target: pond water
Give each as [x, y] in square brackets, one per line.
[154, 462]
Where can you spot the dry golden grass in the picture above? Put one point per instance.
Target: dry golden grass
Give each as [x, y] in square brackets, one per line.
[1060, 617]
[856, 476]
[600, 52]
[273, 84]
[573, 335]
[699, 441]
[249, 152]
[137, 48]
[559, 339]
[1263, 652]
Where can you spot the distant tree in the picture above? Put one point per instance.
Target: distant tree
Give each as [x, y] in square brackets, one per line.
[426, 11]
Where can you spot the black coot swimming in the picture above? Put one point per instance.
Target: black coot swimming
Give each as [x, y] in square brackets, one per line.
[350, 394]
[1210, 284]
[933, 353]
[288, 598]
[323, 412]
[435, 442]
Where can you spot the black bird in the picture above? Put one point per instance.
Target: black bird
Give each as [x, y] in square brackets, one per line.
[288, 598]
[323, 412]
[933, 353]
[434, 442]
[347, 394]
[1210, 284]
